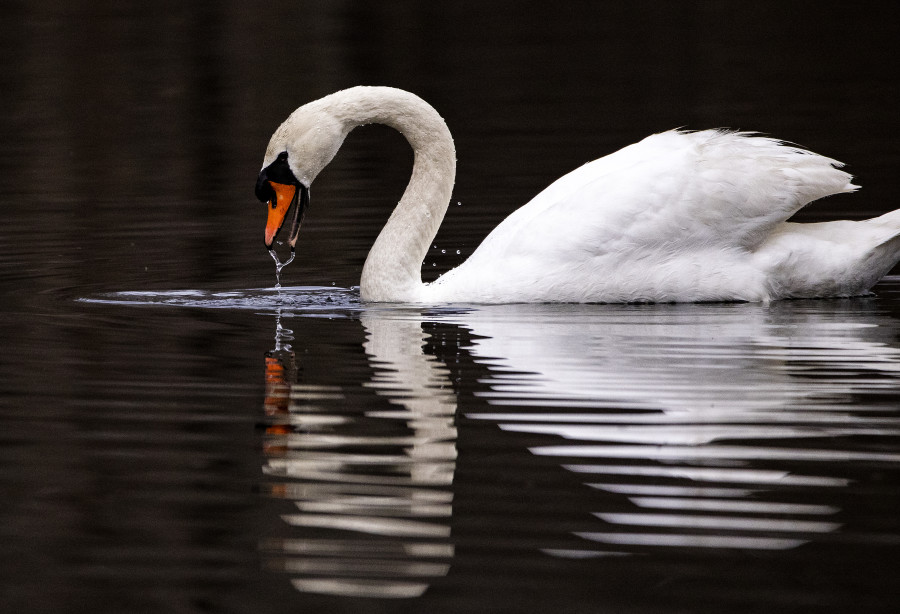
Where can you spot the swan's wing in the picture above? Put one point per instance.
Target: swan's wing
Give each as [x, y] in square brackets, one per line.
[673, 191]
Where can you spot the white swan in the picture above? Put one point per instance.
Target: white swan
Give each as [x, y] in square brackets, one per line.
[679, 216]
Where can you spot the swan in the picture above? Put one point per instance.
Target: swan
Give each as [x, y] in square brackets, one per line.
[680, 216]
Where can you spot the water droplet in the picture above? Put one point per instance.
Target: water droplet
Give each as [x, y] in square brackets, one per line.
[457, 252]
[279, 265]
[458, 204]
[443, 251]
[434, 264]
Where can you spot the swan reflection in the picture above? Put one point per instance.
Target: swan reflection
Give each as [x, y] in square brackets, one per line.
[688, 427]
[710, 421]
[371, 487]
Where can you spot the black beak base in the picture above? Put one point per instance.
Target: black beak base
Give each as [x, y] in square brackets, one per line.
[278, 171]
[264, 191]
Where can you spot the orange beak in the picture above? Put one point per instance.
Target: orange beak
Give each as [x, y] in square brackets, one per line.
[278, 208]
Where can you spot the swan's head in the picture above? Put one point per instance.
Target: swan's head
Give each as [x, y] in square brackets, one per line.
[301, 147]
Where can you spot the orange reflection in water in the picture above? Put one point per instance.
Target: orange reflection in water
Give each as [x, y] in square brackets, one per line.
[371, 487]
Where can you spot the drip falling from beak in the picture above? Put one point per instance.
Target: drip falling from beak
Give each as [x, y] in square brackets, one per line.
[279, 189]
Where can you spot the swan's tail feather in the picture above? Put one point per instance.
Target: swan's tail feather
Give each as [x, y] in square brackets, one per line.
[891, 219]
[884, 257]
[882, 234]
[839, 258]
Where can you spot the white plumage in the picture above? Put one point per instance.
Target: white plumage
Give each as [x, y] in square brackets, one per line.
[678, 216]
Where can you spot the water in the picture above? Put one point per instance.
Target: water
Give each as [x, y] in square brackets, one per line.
[179, 435]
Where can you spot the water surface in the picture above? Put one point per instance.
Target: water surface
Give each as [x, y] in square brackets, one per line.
[717, 447]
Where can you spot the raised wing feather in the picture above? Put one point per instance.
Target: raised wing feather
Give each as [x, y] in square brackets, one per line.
[672, 191]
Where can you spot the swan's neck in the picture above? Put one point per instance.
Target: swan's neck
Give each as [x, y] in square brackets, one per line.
[393, 269]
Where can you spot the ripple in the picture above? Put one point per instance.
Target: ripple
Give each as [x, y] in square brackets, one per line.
[298, 299]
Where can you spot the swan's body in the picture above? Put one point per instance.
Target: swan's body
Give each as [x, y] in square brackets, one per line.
[679, 216]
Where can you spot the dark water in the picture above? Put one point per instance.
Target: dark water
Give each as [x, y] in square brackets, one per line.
[178, 436]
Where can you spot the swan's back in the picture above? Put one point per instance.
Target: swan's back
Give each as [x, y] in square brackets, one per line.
[674, 217]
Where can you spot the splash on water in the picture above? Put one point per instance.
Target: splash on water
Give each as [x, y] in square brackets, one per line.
[313, 301]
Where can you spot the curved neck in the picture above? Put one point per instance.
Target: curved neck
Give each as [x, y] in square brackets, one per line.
[393, 269]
